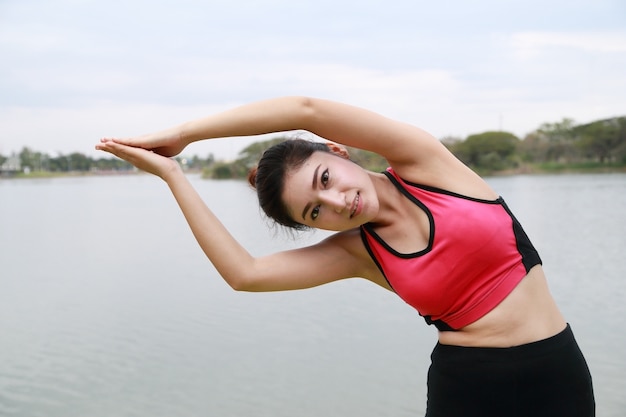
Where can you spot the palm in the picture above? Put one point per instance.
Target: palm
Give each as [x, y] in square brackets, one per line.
[145, 160]
[168, 150]
[165, 145]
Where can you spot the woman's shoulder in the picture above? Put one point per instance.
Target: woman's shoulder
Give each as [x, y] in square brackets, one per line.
[445, 172]
[345, 240]
[348, 246]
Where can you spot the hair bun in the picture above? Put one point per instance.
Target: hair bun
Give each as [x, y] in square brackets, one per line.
[252, 176]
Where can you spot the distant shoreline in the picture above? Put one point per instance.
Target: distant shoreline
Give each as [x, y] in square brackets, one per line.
[556, 169]
[530, 169]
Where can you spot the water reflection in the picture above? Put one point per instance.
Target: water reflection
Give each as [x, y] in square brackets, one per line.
[108, 307]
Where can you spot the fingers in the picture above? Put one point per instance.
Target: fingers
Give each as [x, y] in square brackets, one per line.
[165, 147]
[124, 152]
[144, 159]
[127, 142]
[105, 144]
[102, 145]
[109, 144]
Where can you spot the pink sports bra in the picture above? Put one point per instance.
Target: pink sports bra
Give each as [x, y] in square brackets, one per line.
[477, 253]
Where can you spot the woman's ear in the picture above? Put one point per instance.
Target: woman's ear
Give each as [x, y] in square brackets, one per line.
[338, 149]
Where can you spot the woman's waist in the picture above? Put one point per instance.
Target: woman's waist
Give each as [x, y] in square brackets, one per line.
[526, 315]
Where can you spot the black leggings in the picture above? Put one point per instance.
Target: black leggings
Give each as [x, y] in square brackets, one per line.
[545, 378]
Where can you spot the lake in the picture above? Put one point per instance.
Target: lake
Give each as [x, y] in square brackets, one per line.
[108, 307]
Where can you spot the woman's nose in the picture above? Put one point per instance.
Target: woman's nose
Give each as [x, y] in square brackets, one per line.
[334, 200]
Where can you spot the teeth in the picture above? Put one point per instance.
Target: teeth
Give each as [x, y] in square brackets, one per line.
[356, 204]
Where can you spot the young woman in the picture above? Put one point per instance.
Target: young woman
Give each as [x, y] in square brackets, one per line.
[428, 228]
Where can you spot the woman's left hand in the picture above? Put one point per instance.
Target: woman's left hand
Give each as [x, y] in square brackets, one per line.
[143, 159]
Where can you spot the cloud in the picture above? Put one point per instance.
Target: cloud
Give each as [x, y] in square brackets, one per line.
[77, 69]
[534, 45]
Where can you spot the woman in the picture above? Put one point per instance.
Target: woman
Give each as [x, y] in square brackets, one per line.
[428, 228]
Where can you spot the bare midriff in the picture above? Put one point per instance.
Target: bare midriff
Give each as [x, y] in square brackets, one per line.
[527, 314]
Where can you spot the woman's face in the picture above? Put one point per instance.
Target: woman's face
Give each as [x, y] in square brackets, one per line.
[331, 193]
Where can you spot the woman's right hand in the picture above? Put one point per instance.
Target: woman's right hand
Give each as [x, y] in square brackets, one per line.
[167, 143]
[144, 159]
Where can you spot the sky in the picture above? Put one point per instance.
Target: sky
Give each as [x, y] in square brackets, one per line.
[72, 71]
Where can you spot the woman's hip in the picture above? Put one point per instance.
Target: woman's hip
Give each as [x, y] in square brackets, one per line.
[544, 378]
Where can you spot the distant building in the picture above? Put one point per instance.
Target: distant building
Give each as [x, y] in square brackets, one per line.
[11, 165]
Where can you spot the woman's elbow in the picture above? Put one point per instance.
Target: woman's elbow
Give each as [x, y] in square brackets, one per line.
[243, 283]
[306, 109]
[236, 283]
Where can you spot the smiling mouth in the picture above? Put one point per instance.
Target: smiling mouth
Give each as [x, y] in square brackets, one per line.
[355, 205]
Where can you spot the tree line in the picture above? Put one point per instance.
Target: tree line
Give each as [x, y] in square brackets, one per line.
[553, 146]
[31, 161]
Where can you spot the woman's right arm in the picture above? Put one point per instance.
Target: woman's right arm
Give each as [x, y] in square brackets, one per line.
[300, 268]
[327, 261]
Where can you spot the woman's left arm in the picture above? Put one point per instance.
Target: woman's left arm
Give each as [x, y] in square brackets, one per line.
[411, 151]
[338, 122]
[414, 154]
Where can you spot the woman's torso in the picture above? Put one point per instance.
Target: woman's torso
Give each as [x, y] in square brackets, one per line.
[528, 313]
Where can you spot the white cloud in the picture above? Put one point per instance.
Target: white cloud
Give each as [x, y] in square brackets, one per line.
[75, 70]
[533, 45]
[30, 40]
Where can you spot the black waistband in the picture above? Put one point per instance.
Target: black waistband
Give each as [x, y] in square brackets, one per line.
[463, 353]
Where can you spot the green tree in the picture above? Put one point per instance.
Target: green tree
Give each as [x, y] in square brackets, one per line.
[368, 160]
[27, 158]
[250, 155]
[487, 151]
[225, 170]
[111, 164]
[196, 162]
[79, 162]
[602, 140]
[59, 163]
[557, 141]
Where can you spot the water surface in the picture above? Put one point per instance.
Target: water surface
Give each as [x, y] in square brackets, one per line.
[109, 308]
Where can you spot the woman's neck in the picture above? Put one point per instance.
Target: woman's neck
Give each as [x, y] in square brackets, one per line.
[390, 200]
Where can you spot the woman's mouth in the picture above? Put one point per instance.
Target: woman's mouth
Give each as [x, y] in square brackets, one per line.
[355, 205]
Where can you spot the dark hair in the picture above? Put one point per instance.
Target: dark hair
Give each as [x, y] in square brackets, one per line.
[268, 177]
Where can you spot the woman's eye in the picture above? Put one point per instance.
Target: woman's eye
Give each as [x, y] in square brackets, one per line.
[325, 176]
[315, 212]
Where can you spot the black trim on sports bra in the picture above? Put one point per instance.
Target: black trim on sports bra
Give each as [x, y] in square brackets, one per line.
[527, 251]
[530, 256]
[431, 223]
[439, 324]
[442, 191]
[373, 257]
